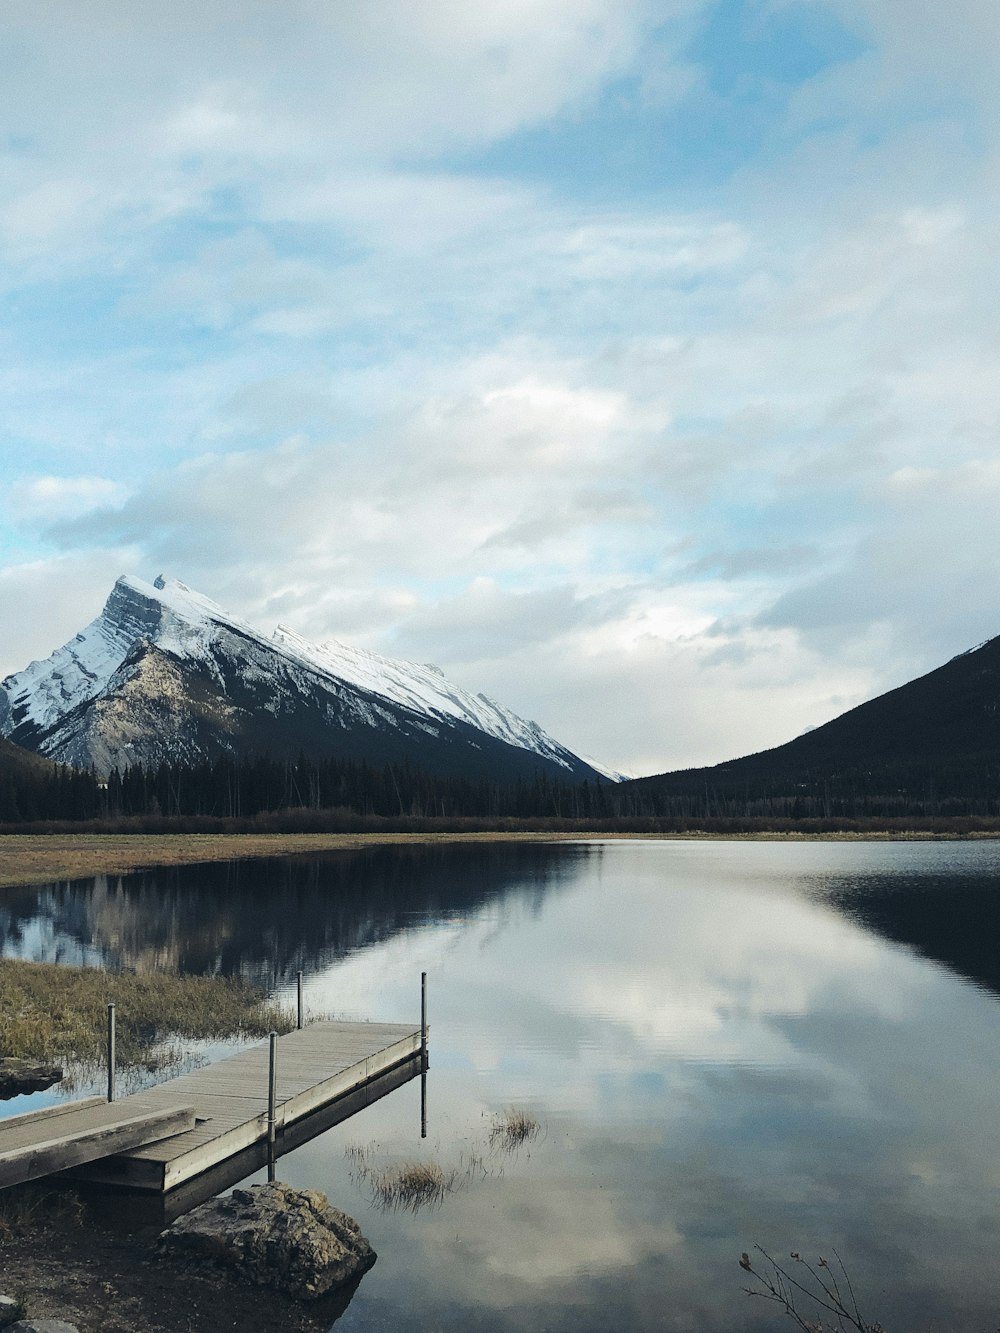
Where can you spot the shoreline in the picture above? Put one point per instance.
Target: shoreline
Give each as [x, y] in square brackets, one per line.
[27, 859]
[65, 1259]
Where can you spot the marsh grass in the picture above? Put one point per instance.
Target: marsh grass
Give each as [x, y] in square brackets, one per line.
[410, 1186]
[38, 858]
[50, 1012]
[512, 1129]
[399, 1186]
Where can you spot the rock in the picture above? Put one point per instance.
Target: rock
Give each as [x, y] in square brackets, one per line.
[42, 1326]
[17, 1076]
[276, 1236]
[9, 1311]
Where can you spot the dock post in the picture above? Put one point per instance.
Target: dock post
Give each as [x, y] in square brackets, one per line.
[111, 1052]
[271, 1089]
[423, 1019]
[271, 1084]
[299, 988]
[423, 1055]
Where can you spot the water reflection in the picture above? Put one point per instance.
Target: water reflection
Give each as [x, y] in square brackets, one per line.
[725, 1043]
[934, 905]
[719, 1055]
[268, 919]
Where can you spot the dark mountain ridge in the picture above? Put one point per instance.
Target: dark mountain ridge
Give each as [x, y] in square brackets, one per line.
[936, 737]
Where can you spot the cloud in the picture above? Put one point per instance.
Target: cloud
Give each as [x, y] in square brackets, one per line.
[487, 622]
[660, 402]
[46, 500]
[42, 599]
[925, 575]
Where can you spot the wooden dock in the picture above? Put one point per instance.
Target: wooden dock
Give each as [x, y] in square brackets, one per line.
[324, 1072]
[35, 1145]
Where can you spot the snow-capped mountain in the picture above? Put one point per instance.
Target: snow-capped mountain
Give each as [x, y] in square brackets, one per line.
[165, 673]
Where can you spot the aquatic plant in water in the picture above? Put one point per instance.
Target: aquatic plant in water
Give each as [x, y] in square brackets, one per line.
[414, 1185]
[512, 1129]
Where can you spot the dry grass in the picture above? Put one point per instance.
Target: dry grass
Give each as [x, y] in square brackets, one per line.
[410, 1186]
[49, 1012]
[512, 1129]
[27, 1209]
[40, 858]
[406, 1186]
[37, 859]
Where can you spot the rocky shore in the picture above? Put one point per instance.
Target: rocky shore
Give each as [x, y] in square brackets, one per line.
[61, 1262]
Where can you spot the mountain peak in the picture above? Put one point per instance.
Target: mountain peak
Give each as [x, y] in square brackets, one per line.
[161, 583]
[166, 673]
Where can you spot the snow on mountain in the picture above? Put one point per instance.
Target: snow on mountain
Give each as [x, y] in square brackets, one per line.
[165, 672]
[421, 687]
[44, 692]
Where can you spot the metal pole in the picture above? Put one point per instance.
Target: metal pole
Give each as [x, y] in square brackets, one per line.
[423, 1018]
[423, 1055]
[300, 1000]
[111, 1052]
[271, 1086]
[423, 1102]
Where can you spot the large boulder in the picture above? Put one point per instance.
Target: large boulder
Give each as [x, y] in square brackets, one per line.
[17, 1076]
[276, 1236]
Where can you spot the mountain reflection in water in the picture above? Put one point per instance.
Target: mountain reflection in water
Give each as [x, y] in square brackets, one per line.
[266, 919]
[951, 919]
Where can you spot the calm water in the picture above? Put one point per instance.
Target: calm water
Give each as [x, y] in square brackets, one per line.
[795, 1045]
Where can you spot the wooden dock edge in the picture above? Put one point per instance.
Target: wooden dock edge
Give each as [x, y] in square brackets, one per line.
[35, 1160]
[47, 1112]
[340, 1084]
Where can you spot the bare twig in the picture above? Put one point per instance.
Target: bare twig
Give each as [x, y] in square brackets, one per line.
[821, 1290]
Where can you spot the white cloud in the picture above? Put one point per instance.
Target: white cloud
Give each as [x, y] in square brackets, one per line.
[679, 469]
[45, 500]
[42, 599]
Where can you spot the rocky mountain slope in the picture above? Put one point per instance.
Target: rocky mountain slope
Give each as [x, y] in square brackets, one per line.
[164, 673]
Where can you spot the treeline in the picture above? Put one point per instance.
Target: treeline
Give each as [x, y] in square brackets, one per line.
[56, 792]
[244, 788]
[330, 793]
[229, 788]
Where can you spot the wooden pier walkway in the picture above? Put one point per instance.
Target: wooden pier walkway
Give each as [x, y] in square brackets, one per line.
[219, 1112]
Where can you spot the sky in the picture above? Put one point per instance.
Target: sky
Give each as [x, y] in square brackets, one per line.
[635, 361]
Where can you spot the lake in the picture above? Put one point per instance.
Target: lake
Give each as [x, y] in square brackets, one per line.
[723, 1044]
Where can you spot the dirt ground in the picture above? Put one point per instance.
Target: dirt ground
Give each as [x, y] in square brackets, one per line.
[71, 1265]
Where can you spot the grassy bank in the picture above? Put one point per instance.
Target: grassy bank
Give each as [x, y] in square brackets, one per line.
[54, 1013]
[36, 859]
[29, 858]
